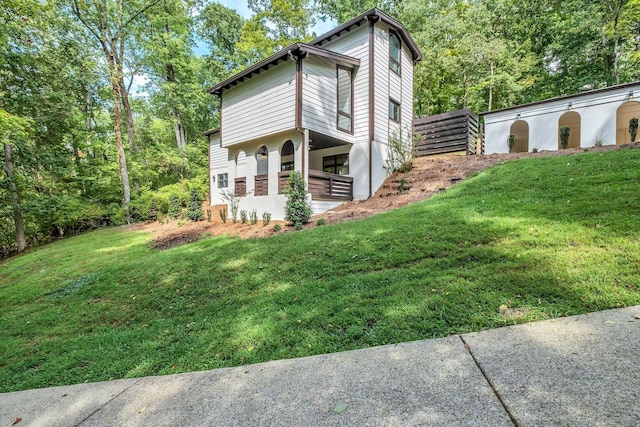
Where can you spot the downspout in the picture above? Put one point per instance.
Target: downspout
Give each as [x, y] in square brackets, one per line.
[372, 21]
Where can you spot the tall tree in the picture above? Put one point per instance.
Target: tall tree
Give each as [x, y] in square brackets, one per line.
[110, 23]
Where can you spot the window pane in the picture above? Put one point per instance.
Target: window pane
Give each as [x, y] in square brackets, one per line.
[394, 53]
[394, 110]
[344, 122]
[345, 106]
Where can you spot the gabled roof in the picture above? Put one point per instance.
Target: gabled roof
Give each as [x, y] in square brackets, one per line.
[285, 54]
[372, 14]
[314, 48]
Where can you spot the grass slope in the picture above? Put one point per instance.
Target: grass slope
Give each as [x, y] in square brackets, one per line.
[526, 240]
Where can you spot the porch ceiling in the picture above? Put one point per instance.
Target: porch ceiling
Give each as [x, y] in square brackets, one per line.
[319, 141]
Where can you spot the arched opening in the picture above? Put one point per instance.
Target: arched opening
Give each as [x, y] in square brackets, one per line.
[241, 174]
[520, 129]
[262, 172]
[287, 156]
[626, 112]
[571, 120]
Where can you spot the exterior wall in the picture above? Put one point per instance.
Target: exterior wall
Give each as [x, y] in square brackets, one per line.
[217, 165]
[248, 110]
[597, 120]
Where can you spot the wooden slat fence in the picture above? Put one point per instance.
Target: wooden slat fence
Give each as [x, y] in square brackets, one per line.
[322, 185]
[262, 185]
[448, 133]
[241, 186]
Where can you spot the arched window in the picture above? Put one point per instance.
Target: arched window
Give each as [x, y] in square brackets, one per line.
[262, 172]
[394, 52]
[626, 112]
[570, 120]
[520, 129]
[287, 156]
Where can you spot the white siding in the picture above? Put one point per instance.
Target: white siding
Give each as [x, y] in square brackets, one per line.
[263, 105]
[218, 164]
[597, 118]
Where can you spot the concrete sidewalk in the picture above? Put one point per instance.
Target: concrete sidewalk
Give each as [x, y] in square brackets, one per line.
[582, 370]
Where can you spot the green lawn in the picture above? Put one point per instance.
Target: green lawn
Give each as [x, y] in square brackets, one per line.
[526, 240]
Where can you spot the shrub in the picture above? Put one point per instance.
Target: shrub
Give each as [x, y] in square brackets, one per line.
[297, 210]
[223, 215]
[511, 142]
[400, 152]
[234, 202]
[320, 222]
[243, 216]
[208, 215]
[277, 227]
[565, 131]
[633, 128]
[174, 206]
[194, 209]
[253, 217]
[266, 219]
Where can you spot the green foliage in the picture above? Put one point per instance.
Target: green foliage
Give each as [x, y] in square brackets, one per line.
[633, 128]
[194, 208]
[208, 215]
[566, 243]
[277, 227]
[266, 219]
[253, 217]
[320, 222]
[234, 202]
[175, 209]
[565, 132]
[401, 152]
[297, 209]
[511, 142]
[223, 215]
[243, 216]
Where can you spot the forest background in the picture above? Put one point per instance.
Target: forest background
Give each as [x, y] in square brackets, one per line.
[103, 102]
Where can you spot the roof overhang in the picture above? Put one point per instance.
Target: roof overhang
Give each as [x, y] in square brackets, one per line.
[372, 15]
[296, 51]
[211, 132]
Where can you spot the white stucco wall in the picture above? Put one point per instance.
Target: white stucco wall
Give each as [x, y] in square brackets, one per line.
[597, 119]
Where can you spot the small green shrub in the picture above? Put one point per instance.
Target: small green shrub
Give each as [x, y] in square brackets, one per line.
[208, 215]
[400, 152]
[298, 225]
[174, 207]
[234, 202]
[266, 219]
[633, 128]
[511, 142]
[243, 216]
[253, 217]
[297, 210]
[194, 209]
[223, 215]
[320, 222]
[277, 227]
[565, 131]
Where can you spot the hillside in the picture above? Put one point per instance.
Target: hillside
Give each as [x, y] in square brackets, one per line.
[527, 240]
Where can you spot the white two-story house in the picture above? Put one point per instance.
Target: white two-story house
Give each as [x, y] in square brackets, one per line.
[326, 108]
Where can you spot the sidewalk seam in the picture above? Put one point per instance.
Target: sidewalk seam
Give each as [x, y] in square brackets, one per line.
[107, 403]
[486, 377]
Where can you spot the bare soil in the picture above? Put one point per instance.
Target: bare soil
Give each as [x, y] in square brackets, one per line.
[428, 176]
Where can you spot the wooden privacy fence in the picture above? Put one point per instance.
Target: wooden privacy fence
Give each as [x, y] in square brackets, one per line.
[448, 133]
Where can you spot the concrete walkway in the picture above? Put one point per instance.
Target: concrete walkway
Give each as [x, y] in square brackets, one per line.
[582, 370]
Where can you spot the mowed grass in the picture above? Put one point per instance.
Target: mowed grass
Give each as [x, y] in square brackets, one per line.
[526, 240]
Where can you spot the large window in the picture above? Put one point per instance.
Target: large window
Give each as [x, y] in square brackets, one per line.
[394, 110]
[223, 180]
[394, 52]
[345, 99]
[336, 164]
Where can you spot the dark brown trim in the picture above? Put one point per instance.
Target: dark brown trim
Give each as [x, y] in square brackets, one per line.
[294, 51]
[372, 124]
[211, 132]
[564, 97]
[376, 14]
[391, 100]
[298, 94]
[220, 118]
[343, 113]
[399, 62]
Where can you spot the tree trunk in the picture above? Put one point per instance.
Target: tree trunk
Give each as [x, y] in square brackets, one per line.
[491, 88]
[117, 127]
[128, 115]
[21, 241]
[179, 129]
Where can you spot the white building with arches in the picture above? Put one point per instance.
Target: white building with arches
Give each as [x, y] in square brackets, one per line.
[326, 108]
[596, 117]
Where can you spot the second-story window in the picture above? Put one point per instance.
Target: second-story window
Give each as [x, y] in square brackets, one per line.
[394, 110]
[394, 52]
[345, 99]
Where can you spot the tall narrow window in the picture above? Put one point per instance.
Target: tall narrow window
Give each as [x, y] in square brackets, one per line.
[394, 52]
[345, 99]
[394, 110]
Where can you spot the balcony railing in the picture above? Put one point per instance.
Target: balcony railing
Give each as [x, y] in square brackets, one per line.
[322, 185]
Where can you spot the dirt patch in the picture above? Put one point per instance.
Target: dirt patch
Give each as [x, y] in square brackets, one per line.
[429, 176]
